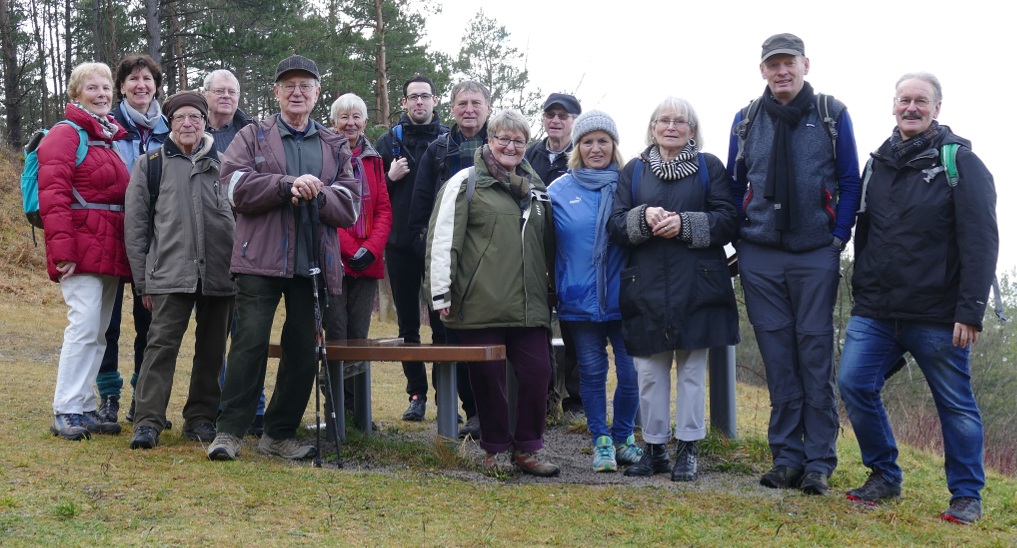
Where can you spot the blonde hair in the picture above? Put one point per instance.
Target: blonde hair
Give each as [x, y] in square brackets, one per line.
[83, 71]
[576, 159]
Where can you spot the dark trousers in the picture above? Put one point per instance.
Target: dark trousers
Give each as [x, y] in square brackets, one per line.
[109, 381]
[352, 319]
[568, 369]
[171, 315]
[257, 300]
[405, 273]
[528, 351]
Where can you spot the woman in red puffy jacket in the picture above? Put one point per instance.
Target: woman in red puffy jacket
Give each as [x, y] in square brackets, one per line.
[82, 207]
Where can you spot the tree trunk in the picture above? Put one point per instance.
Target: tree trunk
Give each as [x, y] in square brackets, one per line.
[67, 40]
[381, 92]
[40, 46]
[96, 34]
[12, 97]
[154, 30]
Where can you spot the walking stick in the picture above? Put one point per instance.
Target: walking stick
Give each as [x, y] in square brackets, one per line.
[309, 228]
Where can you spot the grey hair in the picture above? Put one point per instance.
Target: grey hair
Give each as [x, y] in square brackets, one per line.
[471, 85]
[219, 73]
[682, 108]
[347, 102]
[937, 88]
[508, 120]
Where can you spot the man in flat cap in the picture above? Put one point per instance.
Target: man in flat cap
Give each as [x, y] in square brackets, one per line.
[794, 167]
[268, 169]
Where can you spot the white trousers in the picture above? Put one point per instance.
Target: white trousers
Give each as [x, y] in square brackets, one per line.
[655, 395]
[90, 299]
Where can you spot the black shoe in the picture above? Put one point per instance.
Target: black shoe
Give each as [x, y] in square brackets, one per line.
[109, 409]
[781, 477]
[257, 428]
[471, 428]
[415, 412]
[814, 483]
[654, 461]
[130, 412]
[144, 438]
[685, 461]
[875, 490]
[963, 510]
[204, 432]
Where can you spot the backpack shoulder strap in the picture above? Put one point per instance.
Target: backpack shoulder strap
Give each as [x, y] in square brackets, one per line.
[471, 184]
[704, 178]
[637, 173]
[741, 129]
[866, 175]
[397, 140]
[829, 122]
[948, 158]
[154, 181]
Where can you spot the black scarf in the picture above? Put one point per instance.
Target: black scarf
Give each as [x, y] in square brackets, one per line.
[904, 149]
[780, 175]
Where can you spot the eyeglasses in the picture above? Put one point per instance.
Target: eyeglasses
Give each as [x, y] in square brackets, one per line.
[304, 88]
[920, 102]
[668, 123]
[220, 92]
[505, 141]
[559, 115]
[192, 118]
[421, 96]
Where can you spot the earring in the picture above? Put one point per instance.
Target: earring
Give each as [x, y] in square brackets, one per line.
[693, 142]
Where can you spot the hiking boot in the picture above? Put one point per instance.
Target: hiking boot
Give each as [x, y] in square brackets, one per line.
[70, 426]
[628, 452]
[109, 409]
[531, 463]
[257, 428]
[653, 461]
[498, 462]
[781, 477]
[963, 510]
[471, 428]
[686, 463]
[129, 417]
[96, 425]
[204, 432]
[875, 490]
[288, 449]
[415, 412]
[144, 437]
[226, 446]
[814, 483]
[604, 456]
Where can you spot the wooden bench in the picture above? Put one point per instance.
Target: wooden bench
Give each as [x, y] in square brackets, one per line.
[444, 357]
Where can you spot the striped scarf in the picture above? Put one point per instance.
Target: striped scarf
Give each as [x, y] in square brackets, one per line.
[365, 221]
[687, 163]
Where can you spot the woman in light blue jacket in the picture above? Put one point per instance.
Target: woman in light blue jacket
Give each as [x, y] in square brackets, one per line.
[587, 275]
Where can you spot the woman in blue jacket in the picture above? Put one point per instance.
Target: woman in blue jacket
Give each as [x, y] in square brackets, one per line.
[587, 274]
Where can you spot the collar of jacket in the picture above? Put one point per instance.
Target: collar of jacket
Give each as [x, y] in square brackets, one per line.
[455, 135]
[369, 151]
[207, 149]
[132, 132]
[485, 179]
[946, 136]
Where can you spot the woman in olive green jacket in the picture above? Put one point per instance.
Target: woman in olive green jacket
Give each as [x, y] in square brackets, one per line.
[488, 249]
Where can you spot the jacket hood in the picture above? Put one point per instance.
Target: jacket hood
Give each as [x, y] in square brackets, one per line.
[206, 150]
[369, 151]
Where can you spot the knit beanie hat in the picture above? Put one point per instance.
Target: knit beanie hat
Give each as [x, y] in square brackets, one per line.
[184, 99]
[592, 121]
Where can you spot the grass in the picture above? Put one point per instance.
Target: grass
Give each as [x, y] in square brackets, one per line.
[395, 490]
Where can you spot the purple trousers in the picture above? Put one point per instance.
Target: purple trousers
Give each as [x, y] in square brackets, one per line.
[527, 349]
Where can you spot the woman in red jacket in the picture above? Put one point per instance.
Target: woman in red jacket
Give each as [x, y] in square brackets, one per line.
[362, 245]
[82, 207]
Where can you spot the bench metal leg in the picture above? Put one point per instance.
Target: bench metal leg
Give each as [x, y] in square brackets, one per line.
[448, 398]
[362, 400]
[722, 391]
[335, 371]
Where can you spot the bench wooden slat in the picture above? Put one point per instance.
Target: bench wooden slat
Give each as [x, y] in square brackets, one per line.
[395, 350]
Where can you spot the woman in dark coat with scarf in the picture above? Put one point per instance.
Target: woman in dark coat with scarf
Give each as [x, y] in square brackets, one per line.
[674, 213]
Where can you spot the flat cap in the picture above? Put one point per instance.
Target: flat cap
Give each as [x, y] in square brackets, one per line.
[296, 62]
[783, 43]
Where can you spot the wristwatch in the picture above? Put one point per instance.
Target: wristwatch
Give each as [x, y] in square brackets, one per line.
[839, 243]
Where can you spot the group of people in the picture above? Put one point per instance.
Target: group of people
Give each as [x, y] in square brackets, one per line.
[486, 226]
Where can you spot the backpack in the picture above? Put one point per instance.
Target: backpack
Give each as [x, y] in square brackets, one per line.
[30, 176]
[154, 181]
[741, 129]
[947, 163]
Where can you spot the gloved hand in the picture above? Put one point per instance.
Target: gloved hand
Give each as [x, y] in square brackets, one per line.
[361, 259]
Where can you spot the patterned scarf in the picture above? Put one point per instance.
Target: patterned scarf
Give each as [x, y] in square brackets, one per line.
[906, 148]
[107, 127]
[362, 228]
[518, 184]
[147, 120]
[687, 163]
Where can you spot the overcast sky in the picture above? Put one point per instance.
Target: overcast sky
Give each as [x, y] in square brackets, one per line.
[625, 57]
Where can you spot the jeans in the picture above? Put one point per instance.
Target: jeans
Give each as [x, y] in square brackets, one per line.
[871, 349]
[591, 350]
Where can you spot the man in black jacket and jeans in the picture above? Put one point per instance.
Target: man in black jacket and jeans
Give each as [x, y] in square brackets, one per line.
[402, 149]
[925, 248]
